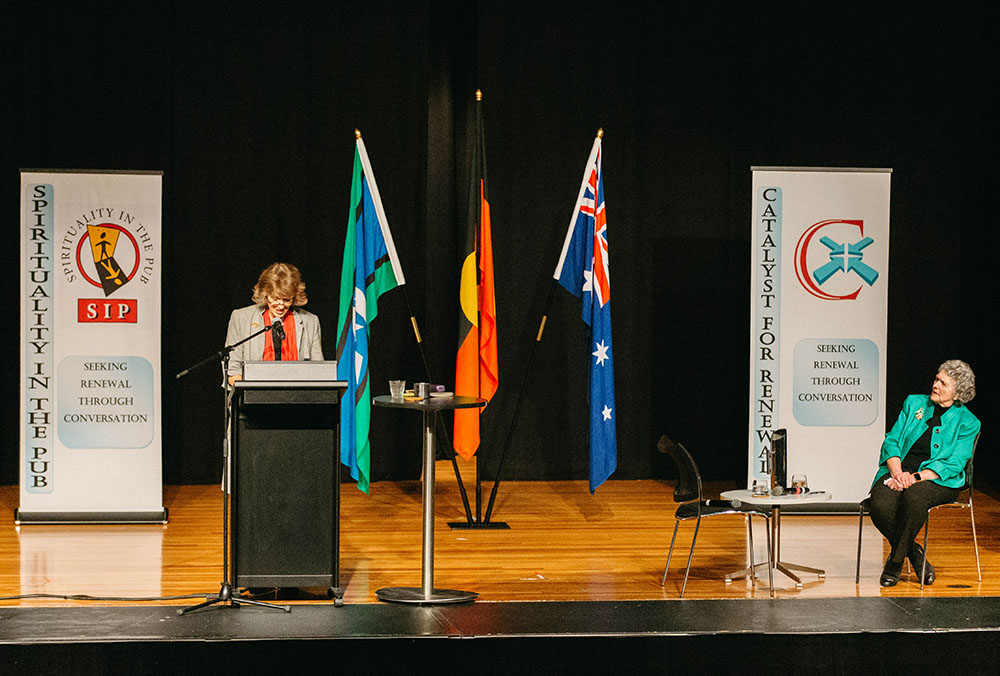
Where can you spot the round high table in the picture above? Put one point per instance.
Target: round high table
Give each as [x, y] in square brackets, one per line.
[426, 593]
[776, 502]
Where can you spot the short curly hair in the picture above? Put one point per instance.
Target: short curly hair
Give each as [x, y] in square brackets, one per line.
[282, 280]
[965, 379]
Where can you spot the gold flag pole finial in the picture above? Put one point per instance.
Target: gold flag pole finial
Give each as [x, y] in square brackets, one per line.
[357, 133]
[600, 132]
[479, 95]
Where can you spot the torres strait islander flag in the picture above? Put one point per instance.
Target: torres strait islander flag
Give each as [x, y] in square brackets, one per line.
[476, 367]
[371, 267]
[583, 271]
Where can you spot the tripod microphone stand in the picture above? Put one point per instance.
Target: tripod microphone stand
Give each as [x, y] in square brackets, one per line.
[226, 593]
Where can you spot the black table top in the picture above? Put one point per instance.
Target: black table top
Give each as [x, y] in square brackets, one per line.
[432, 404]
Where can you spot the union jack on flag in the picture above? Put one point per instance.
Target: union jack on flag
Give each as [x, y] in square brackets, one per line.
[583, 271]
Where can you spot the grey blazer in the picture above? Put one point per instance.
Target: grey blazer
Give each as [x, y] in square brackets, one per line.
[250, 319]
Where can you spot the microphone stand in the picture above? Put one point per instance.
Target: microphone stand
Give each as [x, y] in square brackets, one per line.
[226, 593]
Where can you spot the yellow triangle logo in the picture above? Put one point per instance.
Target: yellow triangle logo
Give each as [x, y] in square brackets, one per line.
[102, 241]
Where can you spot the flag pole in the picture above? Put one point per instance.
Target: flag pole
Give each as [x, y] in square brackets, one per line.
[524, 380]
[479, 306]
[478, 188]
[423, 358]
[443, 428]
[520, 397]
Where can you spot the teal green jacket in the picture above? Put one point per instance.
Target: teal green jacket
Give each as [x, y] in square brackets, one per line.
[952, 441]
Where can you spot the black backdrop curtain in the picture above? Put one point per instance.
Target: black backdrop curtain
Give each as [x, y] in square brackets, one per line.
[250, 113]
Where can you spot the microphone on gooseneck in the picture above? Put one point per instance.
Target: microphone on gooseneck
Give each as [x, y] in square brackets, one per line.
[278, 336]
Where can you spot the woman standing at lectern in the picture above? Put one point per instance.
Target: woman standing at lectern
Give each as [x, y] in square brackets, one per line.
[278, 295]
[923, 464]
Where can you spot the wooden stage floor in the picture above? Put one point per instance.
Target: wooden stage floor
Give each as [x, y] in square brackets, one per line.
[563, 545]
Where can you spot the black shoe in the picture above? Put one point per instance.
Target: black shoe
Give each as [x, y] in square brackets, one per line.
[916, 557]
[890, 574]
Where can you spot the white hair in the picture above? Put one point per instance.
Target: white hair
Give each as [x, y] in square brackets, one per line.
[965, 379]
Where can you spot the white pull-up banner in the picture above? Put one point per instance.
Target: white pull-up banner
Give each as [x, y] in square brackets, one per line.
[819, 281]
[90, 348]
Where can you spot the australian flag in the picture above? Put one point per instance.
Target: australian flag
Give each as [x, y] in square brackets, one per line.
[583, 271]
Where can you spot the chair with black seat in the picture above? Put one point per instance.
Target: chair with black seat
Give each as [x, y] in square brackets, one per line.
[963, 500]
[693, 505]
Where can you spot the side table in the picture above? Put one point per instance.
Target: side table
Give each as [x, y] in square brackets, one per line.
[775, 502]
[426, 593]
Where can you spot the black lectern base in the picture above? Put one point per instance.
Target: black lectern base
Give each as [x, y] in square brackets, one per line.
[298, 594]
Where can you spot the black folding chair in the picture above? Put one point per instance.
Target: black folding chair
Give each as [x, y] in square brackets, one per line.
[688, 492]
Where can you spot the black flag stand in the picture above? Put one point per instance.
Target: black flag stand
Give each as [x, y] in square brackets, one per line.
[520, 393]
[477, 197]
[520, 396]
[444, 439]
[479, 523]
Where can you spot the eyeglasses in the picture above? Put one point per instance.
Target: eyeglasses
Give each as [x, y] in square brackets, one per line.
[280, 301]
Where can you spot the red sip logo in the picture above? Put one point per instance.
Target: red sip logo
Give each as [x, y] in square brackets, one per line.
[122, 311]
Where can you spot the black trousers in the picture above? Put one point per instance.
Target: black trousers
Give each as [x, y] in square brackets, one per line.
[899, 515]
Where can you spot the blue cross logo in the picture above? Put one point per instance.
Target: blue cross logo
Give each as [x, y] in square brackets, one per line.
[846, 258]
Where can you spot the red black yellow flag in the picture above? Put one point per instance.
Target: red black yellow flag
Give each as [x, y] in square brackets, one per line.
[476, 368]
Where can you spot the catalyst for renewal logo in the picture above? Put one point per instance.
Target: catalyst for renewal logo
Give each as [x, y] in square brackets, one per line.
[844, 264]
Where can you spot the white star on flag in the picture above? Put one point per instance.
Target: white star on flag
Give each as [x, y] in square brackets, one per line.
[583, 271]
[601, 353]
[360, 308]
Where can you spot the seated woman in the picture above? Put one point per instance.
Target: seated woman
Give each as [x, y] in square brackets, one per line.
[923, 464]
[278, 295]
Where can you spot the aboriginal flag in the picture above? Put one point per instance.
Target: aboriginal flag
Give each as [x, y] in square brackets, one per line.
[476, 367]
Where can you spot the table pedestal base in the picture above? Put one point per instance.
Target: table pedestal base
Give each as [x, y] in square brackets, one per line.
[417, 595]
[782, 567]
[776, 562]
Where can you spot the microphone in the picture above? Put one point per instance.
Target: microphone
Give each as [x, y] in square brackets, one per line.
[735, 504]
[792, 490]
[278, 329]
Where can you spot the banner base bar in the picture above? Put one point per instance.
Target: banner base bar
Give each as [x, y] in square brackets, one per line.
[50, 518]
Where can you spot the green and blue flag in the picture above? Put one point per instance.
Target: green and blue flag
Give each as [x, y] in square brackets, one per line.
[371, 267]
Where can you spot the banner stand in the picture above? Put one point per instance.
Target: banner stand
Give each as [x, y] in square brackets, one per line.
[90, 413]
[819, 302]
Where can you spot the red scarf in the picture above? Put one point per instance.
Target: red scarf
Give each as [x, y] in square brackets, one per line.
[289, 348]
